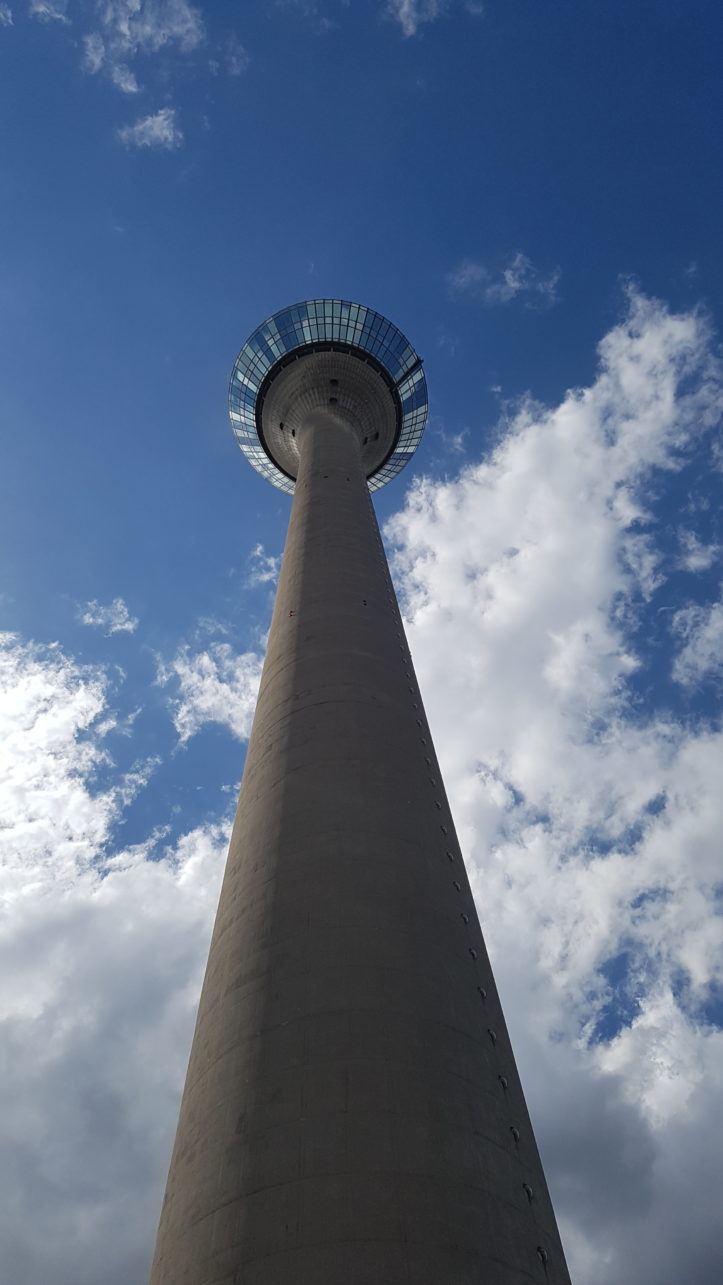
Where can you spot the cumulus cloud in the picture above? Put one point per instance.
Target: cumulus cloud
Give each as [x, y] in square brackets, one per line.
[592, 829]
[519, 277]
[158, 130]
[6, 15]
[412, 14]
[695, 554]
[106, 973]
[113, 619]
[52, 750]
[217, 685]
[47, 759]
[263, 568]
[701, 656]
[101, 952]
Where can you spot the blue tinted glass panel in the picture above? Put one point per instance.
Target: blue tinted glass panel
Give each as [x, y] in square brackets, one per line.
[320, 321]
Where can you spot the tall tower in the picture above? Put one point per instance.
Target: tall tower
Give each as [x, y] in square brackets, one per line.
[352, 1112]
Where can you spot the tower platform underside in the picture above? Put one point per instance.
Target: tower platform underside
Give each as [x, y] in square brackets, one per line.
[341, 386]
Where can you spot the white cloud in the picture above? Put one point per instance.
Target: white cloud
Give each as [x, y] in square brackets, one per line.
[592, 831]
[49, 10]
[128, 28]
[519, 277]
[236, 57]
[263, 567]
[146, 26]
[701, 657]
[6, 15]
[113, 619]
[453, 443]
[694, 554]
[101, 954]
[125, 30]
[48, 757]
[123, 78]
[93, 53]
[95, 1032]
[159, 130]
[468, 278]
[412, 14]
[215, 686]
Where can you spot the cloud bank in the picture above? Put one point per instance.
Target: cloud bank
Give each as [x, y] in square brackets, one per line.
[593, 829]
[101, 952]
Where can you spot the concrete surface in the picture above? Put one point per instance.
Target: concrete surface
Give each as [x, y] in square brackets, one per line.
[352, 1113]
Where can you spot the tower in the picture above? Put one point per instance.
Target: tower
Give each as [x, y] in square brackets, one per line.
[352, 1112]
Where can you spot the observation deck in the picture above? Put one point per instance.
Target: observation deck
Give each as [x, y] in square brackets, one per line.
[335, 357]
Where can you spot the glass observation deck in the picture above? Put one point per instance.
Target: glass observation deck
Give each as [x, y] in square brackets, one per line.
[323, 325]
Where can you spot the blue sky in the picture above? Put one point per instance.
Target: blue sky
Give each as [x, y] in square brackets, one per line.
[534, 194]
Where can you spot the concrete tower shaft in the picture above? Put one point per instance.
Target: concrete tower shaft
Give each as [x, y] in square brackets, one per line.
[352, 1113]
